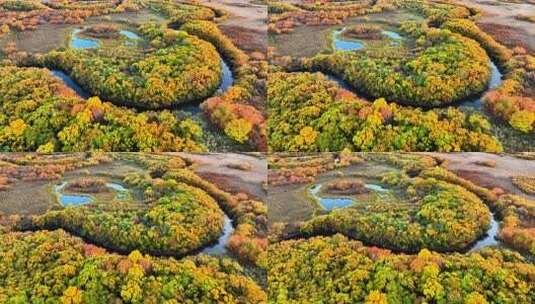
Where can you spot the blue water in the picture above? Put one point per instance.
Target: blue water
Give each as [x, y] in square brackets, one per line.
[495, 81]
[80, 199]
[377, 188]
[121, 192]
[226, 78]
[342, 44]
[330, 203]
[71, 84]
[220, 247]
[490, 239]
[83, 43]
[71, 199]
[130, 35]
[392, 35]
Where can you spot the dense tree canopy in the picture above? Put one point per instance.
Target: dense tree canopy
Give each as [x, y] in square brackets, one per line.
[40, 113]
[176, 224]
[338, 270]
[54, 267]
[430, 214]
[310, 113]
[184, 69]
[449, 68]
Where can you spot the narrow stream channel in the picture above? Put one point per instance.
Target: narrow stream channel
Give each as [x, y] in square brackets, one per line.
[490, 238]
[78, 199]
[220, 247]
[68, 81]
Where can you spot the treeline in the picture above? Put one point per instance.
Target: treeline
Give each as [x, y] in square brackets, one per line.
[513, 101]
[292, 169]
[516, 213]
[338, 270]
[284, 17]
[310, 113]
[39, 113]
[70, 271]
[249, 239]
[37, 167]
[24, 15]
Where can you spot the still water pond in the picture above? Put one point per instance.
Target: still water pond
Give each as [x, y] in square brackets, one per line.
[76, 199]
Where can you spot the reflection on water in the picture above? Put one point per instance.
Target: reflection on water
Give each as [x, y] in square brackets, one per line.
[220, 247]
[71, 199]
[392, 35]
[490, 239]
[343, 44]
[377, 188]
[121, 192]
[130, 34]
[82, 43]
[71, 84]
[131, 37]
[75, 199]
[330, 203]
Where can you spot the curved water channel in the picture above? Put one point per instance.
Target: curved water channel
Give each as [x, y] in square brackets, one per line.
[490, 238]
[330, 203]
[77, 199]
[220, 247]
[341, 43]
[77, 42]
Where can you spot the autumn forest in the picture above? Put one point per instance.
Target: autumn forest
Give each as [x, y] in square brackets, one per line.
[267, 151]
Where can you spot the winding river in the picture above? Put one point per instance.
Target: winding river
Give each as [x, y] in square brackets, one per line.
[220, 248]
[77, 199]
[490, 238]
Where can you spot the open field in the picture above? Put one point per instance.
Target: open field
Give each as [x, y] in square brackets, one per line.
[500, 19]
